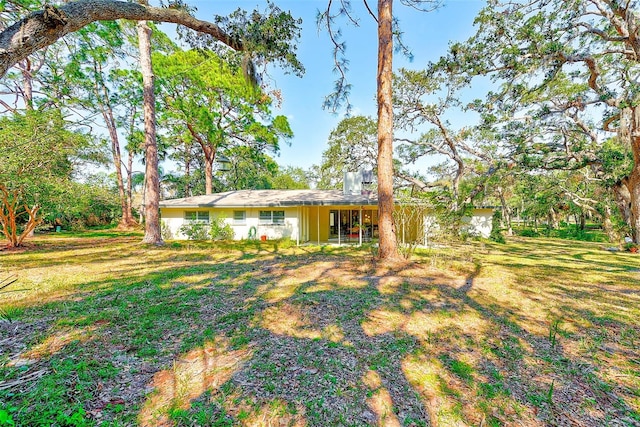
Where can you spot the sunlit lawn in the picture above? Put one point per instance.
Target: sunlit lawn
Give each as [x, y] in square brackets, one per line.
[101, 330]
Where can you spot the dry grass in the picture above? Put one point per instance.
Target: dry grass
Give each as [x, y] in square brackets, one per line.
[112, 332]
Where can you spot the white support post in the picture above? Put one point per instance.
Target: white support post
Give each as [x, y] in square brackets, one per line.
[360, 226]
[318, 225]
[299, 225]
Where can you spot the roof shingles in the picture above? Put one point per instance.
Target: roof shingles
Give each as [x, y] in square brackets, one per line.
[271, 198]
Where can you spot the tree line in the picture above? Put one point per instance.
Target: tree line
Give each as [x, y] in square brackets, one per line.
[561, 112]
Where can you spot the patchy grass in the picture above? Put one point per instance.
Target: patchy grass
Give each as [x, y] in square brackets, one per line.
[101, 330]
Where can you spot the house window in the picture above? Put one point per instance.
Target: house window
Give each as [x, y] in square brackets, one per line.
[239, 217]
[197, 216]
[272, 217]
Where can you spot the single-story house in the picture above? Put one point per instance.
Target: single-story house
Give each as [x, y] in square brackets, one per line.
[320, 216]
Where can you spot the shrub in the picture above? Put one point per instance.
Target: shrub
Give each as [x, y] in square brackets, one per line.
[220, 230]
[194, 230]
[165, 231]
[528, 232]
[496, 231]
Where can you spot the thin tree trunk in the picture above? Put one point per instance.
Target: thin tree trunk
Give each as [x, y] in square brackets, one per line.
[130, 186]
[107, 114]
[208, 177]
[209, 151]
[187, 177]
[152, 232]
[388, 247]
[27, 83]
[506, 213]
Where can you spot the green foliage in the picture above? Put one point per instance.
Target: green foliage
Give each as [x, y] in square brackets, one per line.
[353, 146]
[496, 232]
[528, 232]
[94, 203]
[194, 230]
[268, 37]
[250, 169]
[6, 419]
[38, 151]
[165, 231]
[554, 328]
[290, 178]
[221, 230]
[212, 111]
[565, 231]
[38, 164]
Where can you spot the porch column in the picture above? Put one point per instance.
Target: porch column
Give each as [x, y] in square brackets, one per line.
[360, 226]
[339, 219]
[298, 226]
[318, 221]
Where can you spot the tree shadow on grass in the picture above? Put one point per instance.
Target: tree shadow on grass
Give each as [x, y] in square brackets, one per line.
[318, 340]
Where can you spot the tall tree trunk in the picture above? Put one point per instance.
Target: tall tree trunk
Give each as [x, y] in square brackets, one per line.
[107, 113]
[388, 246]
[506, 213]
[607, 225]
[152, 232]
[553, 221]
[623, 201]
[208, 177]
[633, 180]
[633, 186]
[209, 151]
[187, 176]
[209, 157]
[130, 186]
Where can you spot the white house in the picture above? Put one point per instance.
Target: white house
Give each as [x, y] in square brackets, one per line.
[301, 215]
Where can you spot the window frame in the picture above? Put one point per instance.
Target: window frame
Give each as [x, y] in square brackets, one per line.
[242, 221]
[268, 218]
[203, 217]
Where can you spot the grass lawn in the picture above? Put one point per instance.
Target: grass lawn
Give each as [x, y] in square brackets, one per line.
[101, 330]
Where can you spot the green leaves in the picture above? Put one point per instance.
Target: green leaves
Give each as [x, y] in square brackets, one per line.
[208, 102]
[268, 37]
[352, 147]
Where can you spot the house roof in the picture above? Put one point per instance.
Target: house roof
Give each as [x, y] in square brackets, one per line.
[271, 198]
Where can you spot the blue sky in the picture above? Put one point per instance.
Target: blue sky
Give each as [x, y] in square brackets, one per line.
[427, 35]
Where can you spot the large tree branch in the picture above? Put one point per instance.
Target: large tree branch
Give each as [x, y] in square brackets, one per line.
[422, 186]
[44, 27]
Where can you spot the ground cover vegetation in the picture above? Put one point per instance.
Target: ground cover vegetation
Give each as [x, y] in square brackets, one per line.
[98, 329]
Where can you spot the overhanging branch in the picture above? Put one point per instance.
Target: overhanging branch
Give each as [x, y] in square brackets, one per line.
[44, 27]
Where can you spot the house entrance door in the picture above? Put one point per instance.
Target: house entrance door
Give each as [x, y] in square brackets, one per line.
[345, 224]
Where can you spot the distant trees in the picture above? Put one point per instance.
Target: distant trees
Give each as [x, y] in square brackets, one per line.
[40, 155]
[352, 146]
[209, 102]
[568, 70]
[89, 74]
[262, 37]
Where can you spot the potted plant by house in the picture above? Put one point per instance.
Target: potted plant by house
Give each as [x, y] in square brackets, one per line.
[631, 247]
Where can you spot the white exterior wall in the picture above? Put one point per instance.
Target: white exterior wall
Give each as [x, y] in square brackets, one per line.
[479, 224]
[174, 218]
